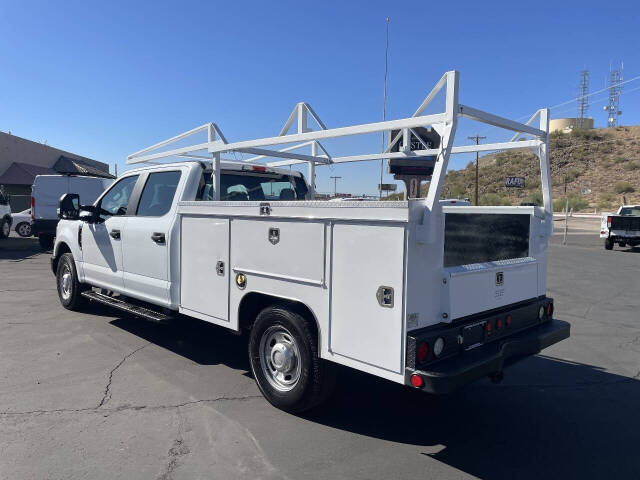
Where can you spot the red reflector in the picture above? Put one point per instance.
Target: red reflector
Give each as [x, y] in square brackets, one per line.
[508, 320]
[259, 169]
[487, 327]
[33, 208]
[549, 309]
[423, 351]
[499, 323]
[416, 380]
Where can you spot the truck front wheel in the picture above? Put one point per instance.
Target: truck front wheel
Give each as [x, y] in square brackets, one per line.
[283, 351]
[608, 243]
[69, 288]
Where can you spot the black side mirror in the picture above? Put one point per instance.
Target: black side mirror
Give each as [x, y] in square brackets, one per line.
[69, 206]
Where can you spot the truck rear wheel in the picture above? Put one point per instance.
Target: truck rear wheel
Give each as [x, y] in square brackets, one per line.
[283, 351]
[608, 243]
[69, 288]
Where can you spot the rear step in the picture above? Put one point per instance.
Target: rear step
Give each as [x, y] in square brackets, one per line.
[136, 310]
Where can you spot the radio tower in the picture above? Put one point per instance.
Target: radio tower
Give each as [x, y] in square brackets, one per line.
[613, 109]
[583, 97]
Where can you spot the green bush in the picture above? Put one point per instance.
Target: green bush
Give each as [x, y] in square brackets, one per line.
[534, 197]
[494, 199]
[619, 160]
[631, 166]
[576, 203]
[624, 187]
[572, 174]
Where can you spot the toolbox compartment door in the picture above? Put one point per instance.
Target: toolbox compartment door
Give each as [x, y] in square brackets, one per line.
[365, 258]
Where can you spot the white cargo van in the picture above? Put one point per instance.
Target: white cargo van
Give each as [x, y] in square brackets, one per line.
[45, 194]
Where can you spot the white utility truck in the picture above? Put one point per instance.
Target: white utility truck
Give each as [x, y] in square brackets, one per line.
[428, 294]
[622, 228]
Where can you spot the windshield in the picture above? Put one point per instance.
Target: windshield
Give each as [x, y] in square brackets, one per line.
[253, 186]
[634, 211]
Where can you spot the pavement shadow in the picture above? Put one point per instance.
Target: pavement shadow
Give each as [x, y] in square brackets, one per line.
[18, 248]
[561, 420]
[199, 341]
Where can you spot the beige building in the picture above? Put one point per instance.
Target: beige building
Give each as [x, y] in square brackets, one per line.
[565, 125]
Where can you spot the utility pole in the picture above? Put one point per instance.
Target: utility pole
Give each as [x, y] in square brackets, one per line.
[335, 185]
[384, 103]
[477, 138]
[566, 213]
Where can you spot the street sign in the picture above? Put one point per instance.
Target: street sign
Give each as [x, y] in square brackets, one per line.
[514, 182]
[387, 187]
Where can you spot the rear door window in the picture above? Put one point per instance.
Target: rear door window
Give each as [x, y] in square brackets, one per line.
[157, 195]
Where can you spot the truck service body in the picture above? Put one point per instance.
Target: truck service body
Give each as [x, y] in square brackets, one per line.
[426, 293]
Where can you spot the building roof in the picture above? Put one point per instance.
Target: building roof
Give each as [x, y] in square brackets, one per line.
[23, 173]
[76, 166]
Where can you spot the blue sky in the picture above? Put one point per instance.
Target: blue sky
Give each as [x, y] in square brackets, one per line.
[106, 79]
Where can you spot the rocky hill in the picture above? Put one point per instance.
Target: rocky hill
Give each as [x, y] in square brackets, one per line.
[601, 166]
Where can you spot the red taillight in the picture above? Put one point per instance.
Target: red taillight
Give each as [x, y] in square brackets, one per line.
[498, 323]
[609, 222]
[423, 351]
[508, 320]
[488, 327]
[550, 310]
[259, 169]
[33, 208]
[416, 380]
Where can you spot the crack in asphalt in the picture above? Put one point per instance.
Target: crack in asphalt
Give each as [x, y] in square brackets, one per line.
[107, 390]
[123, 408]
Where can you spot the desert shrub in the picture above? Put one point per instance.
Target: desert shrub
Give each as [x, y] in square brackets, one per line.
[494, 199]
[618, 160]
[576, 203]
[631, 166]
[572, 174]
[534, 197]
[624, 187]
[606, 197]
[584, 134]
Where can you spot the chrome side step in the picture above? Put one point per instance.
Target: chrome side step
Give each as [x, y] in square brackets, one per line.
[136, 310]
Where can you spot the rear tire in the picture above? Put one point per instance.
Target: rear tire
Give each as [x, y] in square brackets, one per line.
[23, 229]
[5, 228]
[69, 288]
[608, 243]
[46, 241]
[283, 352]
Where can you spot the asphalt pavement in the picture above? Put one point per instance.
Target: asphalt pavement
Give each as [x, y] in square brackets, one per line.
[98, 395]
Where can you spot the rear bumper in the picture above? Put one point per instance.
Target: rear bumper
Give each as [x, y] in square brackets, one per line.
[42, 226]
[450, 374]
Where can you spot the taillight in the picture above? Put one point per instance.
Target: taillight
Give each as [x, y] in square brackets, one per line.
[33, 208]
[508, 320]
[499, 323]
[423, 351]
[416, 380]
[259, 169]
[609, 222]
[488, 327]
[550, 310]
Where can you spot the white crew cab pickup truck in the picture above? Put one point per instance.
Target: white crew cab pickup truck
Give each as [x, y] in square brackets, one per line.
[418, 292]
[622, 228]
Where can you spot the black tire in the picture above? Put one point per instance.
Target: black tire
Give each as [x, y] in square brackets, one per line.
[46, 241]
[5, 228]
[314, 379]
[608, 243]
[69, 289]
[23, 229]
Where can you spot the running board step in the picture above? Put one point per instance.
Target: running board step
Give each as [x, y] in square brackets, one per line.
[136, 310]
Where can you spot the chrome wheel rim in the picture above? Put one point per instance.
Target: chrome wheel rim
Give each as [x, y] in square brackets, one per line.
[65, 283]
[24, 230]
[280, 358]
[5, 228]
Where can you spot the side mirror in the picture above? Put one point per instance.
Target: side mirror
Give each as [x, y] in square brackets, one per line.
[69, 206]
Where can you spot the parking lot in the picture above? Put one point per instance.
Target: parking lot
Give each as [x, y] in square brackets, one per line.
[100, 395]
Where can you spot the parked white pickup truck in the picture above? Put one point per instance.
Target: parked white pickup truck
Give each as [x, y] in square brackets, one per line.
[418, 292]
[622, 228]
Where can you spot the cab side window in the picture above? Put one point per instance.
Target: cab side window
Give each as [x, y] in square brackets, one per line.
[116, 200]
[157, 195]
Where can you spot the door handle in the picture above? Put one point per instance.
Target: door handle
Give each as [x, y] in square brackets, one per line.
[115, 234]
[158, 237]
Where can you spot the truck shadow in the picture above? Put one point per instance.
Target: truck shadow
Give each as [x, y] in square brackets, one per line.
[17, 248]
[550, 418]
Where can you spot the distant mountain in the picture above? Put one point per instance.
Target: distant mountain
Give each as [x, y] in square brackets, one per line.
[600, 166]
